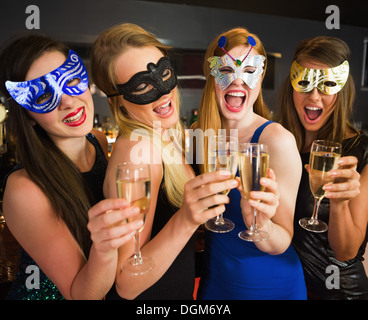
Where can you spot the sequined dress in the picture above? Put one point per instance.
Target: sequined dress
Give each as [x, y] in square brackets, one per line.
[26, 277]
[325, 276]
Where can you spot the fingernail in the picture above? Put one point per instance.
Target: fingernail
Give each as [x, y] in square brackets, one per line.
[225, 173]
[135, 210]
[137, 223]
[234, 183]
[254, 195]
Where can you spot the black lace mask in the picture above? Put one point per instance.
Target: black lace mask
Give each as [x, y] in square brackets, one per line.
[161, 77]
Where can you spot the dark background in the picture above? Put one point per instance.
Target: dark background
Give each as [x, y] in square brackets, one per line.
[189, 26]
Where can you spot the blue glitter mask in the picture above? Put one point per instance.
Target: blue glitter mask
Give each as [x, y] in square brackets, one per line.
[43, 94]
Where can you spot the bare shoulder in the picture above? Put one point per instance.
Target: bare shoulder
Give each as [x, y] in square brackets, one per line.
[22, 192]
[136, 150]
[276, 136]
[19, 184]
[27, 209]
[284, 154]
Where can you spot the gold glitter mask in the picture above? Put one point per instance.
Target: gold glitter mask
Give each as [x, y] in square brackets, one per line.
[328, 81]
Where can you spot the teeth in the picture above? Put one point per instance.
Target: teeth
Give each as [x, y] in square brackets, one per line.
[160, 110]
[74, 118]
[313, 108]
[165, 105]
[236, 94]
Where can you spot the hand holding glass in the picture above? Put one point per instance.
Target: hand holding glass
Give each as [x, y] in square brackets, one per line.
[133, 183]
[324, 157]
[253, 165]
[222, 156]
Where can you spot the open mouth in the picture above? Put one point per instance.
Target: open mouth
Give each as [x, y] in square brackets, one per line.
[164, 110]
[75, 118]
[235, 100]
[313, 113]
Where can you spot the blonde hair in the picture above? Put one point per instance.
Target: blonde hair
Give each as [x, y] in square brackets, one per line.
[332, 52]
[209, 114]
[108, 46]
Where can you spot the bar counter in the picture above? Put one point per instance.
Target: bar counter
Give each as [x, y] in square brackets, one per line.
[9, 259]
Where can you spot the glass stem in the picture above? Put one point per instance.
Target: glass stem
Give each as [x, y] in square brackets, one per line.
[137, 249]
[253, 227]
[314, 217]
[219, 220]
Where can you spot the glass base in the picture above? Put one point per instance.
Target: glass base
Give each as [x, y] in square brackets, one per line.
[313, 225]
[132, 267]
[249, 235]
[214, 226]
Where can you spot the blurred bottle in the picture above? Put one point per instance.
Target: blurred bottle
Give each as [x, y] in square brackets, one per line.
[184, 120]
[194, 116]
[107, 127]
[96, 122]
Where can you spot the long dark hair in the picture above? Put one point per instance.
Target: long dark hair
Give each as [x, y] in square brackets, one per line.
[47, 166]
[332, 52]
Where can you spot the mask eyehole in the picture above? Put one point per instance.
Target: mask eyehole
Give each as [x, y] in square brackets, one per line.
[166, 75]
[43, 98]
[226, 70]
[303, 83]
[73, 82]
[330, 83]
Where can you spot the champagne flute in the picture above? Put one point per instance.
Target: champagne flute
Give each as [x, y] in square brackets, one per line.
[133, 183]
[253, 165]
[324, 157]
[222, 156]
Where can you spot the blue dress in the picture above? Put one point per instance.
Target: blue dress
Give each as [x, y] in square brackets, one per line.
[235, 269]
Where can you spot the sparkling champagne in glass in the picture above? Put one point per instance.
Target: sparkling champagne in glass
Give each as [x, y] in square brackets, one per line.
[324, 157]
[222, 156]
[253, 165]
[133, 183]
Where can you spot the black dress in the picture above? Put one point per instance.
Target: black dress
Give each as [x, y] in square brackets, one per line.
[178, 281]
[48, 291]
[325, 276]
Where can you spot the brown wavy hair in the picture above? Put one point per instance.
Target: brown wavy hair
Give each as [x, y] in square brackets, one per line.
[332, 52]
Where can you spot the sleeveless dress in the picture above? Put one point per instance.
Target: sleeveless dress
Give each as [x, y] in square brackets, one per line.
[318, 260]
[235, 269]
[178, 281]
[48, 291]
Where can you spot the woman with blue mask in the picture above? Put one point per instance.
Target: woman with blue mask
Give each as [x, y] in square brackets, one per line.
[53, 200]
